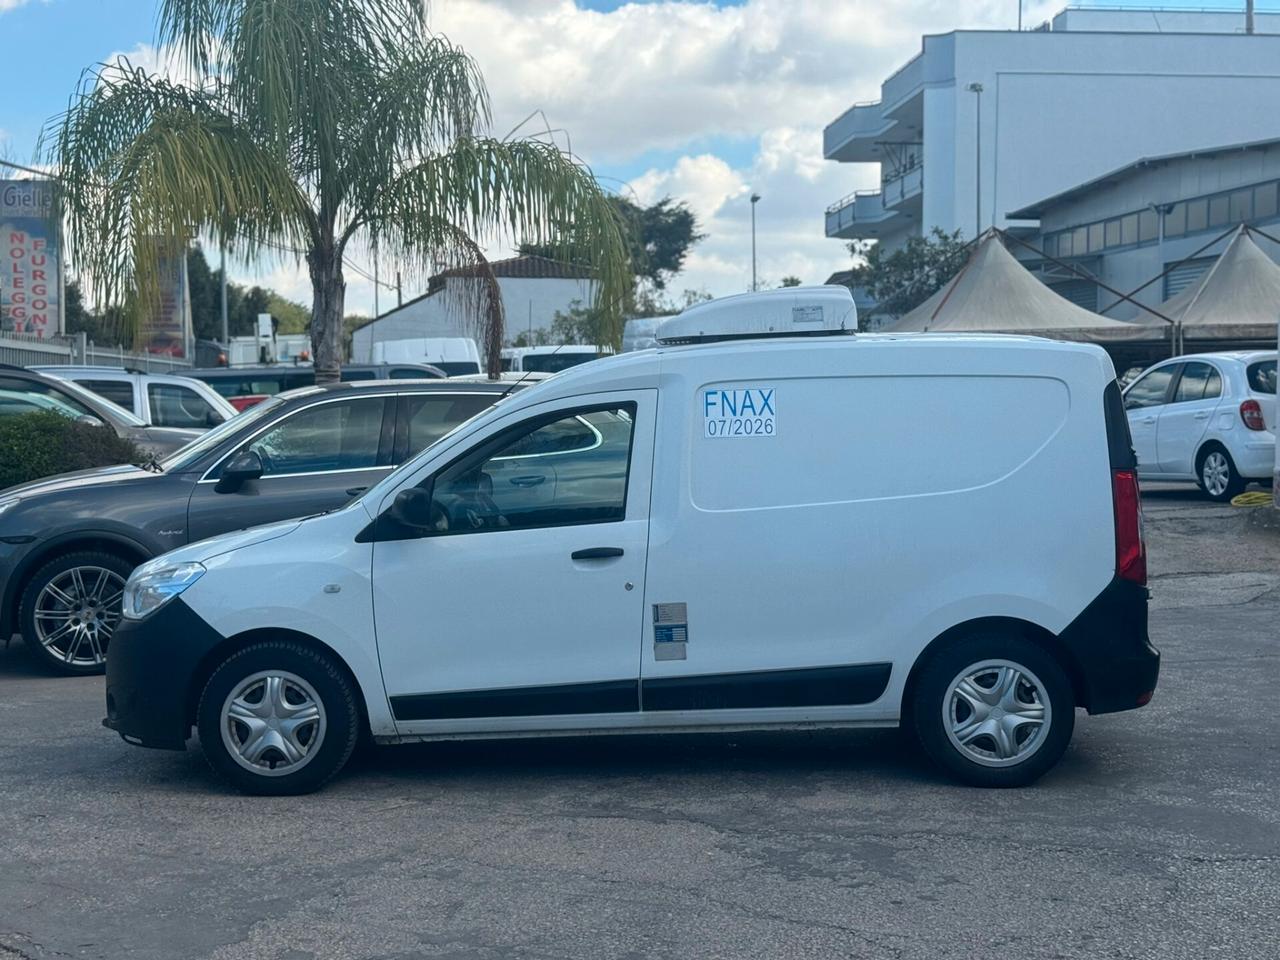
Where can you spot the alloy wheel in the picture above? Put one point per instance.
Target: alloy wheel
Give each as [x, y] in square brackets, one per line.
[77, 612]
[1216, 473]
[996, 713]
[273, 723]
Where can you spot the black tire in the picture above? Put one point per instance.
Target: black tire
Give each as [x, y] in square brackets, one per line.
[338, 730]
[58, 643]
[1235, 483]
[933, 694]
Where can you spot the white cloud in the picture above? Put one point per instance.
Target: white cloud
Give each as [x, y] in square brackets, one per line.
[10, 4]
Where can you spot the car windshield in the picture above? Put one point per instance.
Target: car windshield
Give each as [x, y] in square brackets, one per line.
[555, 362]
[1262, 377]
[193, 451]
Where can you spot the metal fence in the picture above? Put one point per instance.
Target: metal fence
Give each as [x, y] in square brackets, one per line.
[26, 350]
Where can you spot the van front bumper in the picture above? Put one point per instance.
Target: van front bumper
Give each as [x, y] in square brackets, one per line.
[1116, 665]
[151, 668]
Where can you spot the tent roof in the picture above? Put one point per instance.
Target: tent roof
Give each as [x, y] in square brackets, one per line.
[1237, 298]
[994, 293]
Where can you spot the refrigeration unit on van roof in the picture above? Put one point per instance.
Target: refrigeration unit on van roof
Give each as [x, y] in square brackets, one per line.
[786, 312]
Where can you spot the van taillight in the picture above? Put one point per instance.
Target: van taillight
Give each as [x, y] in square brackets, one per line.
[1131, 552]
[1251, 414]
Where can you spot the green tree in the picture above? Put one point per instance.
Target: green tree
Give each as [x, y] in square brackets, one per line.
[791, 281]
[312, 124]
[902, 279]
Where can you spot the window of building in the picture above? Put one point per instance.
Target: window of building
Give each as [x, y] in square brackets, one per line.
[1264, 201]
[1064, 243]
[1175, 221]
[1080, 240]
[1241, 206]
[1129, 229]
[1095, 236]
[1197, 215]
[1219, 210]
[1148, 226]
[1113, 233]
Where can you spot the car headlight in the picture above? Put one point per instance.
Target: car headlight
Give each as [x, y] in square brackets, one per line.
[152, 586]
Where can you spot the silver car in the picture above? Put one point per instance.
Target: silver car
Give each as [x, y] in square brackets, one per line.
[158, 399]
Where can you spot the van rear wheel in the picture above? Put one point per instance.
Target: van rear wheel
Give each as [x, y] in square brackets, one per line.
[278, 718]
[993, 710]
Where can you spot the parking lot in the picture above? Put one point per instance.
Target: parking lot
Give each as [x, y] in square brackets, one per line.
[1157, 836]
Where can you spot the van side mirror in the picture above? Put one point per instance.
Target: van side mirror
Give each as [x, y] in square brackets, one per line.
[245, 465]
[412, 508]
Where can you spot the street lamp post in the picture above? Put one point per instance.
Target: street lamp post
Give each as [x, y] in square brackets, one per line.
[976, 88]
[755, 198]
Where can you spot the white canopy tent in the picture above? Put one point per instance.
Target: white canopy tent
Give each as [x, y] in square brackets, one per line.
[994, 293]
[1238, 298]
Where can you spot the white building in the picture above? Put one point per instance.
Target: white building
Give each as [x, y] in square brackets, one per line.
[980, 123]
[1171, 215]
[533, 289]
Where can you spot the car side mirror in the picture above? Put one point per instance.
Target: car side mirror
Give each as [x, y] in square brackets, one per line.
[212, 418]
[412, 508]
[245, 465]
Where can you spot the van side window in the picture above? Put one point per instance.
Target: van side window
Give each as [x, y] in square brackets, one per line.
[342, 435]
[173, 405]
[119, 392]
[549, 472]
[1199, 382]
[1151, 390]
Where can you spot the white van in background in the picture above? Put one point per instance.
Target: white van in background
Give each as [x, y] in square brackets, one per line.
[766, 522]
[454, 355]
[549, 358]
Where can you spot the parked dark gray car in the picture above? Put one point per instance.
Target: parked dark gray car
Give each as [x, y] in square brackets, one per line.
[26, 390]
[67, 544]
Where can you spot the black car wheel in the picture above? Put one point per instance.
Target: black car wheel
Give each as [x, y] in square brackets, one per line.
[71, 607]
[278, 718]
[993, 709]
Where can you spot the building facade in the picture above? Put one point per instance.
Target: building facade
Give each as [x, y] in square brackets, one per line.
[981, 123]
[1170, 215]
[534, 290]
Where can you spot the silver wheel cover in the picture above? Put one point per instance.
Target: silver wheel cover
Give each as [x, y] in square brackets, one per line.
[996, 713]
[77, 612]
[273, 723]
[1216, 473]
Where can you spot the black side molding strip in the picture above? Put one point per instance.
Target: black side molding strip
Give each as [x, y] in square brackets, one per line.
[808, 687]
[607, 696]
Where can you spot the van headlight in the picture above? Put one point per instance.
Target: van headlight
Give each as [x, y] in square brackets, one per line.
[151, 586]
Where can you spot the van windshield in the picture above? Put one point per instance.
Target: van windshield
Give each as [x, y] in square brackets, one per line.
[554, 362]
[1262, 377]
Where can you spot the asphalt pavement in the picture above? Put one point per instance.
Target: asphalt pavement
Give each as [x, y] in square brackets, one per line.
[1158, 836]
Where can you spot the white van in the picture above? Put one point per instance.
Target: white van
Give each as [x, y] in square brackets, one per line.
[549, 358]
[769, 528]
[454, 355]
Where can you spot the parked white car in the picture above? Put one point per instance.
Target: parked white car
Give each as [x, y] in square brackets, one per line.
[1208, 418]
[158, 399]
[687, 538]
[550, 358]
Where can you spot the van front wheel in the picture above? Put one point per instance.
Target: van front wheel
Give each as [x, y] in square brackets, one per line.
[278, 718]
[993, 710]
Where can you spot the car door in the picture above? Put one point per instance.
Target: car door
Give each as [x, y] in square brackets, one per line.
[314, 459]
[519, 605]
[1184, 420]
[1143, 401]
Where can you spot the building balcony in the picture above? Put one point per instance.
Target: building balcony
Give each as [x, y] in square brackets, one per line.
[903, 185]
[862, 215]
[852, 137]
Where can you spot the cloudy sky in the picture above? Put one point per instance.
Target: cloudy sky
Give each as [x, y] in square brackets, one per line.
[703, 101]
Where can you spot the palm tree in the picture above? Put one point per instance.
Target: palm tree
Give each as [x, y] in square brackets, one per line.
[307, 126]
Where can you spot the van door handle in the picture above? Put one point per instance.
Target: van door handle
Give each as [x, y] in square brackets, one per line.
[596, 553]
[528, 481]
[1203, 415]
[355, 491]
[1148, 420]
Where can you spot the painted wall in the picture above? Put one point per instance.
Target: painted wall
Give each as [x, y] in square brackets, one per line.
[527, 303]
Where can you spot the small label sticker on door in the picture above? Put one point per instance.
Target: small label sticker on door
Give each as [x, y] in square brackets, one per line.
[739, 412]
[670, 631]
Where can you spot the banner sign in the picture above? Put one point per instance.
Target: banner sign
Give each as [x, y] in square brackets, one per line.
[166, 326]
[29, 259]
